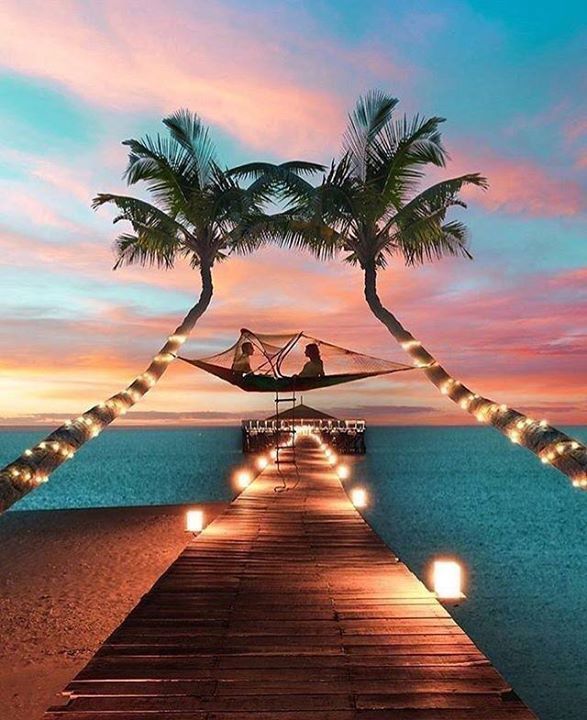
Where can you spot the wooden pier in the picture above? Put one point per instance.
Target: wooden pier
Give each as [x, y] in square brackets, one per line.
[289, 607]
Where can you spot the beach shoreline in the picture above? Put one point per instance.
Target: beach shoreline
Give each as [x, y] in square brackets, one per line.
[67, 579]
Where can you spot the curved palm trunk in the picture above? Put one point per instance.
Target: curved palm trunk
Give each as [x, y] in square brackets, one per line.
[551, 445]
[35, 465]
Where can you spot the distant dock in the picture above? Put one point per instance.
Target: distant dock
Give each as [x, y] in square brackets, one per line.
[289, 607]
[346, 437]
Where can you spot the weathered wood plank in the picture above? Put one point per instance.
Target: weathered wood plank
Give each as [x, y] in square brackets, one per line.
[289, 607]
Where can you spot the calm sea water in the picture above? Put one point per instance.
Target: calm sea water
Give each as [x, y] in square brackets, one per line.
[518, 526]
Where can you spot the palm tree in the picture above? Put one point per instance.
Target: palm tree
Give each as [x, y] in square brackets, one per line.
[370, 206]
[198, 213]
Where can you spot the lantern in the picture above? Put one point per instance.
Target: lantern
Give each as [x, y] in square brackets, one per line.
[447, 580]
[194, 521]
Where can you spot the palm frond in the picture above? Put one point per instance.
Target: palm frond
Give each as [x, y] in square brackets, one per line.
[187, 129]
[371, 114]
[165, 167]
[147, 248]
[441, 195]
[400, 154]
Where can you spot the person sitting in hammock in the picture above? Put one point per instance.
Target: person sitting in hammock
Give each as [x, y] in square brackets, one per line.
[242, 362]
[314, 367]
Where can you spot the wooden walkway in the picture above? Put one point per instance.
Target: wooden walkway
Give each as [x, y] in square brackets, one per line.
[288, 606]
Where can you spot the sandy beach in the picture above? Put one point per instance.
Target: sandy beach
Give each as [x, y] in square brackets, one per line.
[67, 579]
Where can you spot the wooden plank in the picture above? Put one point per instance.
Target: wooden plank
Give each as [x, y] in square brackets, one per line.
[289, 607]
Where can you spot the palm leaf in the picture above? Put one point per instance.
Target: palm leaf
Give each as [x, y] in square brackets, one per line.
[370, 115]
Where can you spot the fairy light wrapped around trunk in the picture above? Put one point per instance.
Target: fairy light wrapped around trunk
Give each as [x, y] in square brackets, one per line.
[35, 465]
[551, 445]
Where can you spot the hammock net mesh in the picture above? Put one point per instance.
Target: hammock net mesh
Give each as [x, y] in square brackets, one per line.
[278, 359]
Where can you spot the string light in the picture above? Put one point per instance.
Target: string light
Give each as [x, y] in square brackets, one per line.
[262, 463]
[28, 453]
[164, 357]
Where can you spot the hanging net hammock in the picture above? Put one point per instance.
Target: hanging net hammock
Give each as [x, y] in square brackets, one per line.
[289, 363]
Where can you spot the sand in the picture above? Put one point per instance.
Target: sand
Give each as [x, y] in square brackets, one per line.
[67, 579]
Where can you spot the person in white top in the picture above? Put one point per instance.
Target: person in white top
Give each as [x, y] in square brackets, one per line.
[242, 358]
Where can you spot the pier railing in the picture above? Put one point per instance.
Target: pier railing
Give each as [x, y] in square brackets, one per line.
[347, 437]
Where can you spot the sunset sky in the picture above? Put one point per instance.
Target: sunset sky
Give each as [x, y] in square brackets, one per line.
[275, 80]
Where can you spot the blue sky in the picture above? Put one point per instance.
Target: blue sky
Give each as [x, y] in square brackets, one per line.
[275, 80]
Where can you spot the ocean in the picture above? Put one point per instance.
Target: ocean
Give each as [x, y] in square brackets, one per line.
[518, 527]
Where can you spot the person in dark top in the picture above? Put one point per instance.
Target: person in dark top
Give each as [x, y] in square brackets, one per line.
[314, 367]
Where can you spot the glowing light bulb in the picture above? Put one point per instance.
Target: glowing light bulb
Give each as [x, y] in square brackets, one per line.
[574, 445]
[359, 497]
[406, 345]
[273, 454]
[343, 472]
[447, 580]
[332, 460]
[42, 479]
[194, 521]
[28, 453]
[543, 424]
[515, 437]
[503, 408]
[262, 462]
[67, 423]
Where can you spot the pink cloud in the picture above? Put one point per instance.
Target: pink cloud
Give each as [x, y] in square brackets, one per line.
[518, 185]
[225, 62]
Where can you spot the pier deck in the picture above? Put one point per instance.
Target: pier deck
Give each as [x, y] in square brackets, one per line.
[288, 606]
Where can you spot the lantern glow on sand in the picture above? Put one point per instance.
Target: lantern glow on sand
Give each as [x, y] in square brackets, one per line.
[194, 521]
[447, 580]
